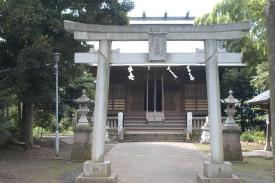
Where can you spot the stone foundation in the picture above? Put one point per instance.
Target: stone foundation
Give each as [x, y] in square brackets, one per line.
[81, 149]
[111, 179]
[203, 179]
[217, 170]
[217, 173]
[97, 173]
[231, 143]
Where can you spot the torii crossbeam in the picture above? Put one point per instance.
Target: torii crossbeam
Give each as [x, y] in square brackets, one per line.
[157, 35]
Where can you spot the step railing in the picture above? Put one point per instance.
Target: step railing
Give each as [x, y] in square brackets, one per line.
[198, 122]
[114, 127]
[112, 122]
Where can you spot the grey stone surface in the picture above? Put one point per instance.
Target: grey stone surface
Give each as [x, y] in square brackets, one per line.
[258, 153]
[120, 128]
[231, 143]
[82, 179]
[101, 101]
[156, 162]
[91, 169]
[224, 58]
[217, 170]
[155, 136]
[174, 32]
[213, 97]
[205, 135]
[203, 179]
[157, 47]
[81, 149]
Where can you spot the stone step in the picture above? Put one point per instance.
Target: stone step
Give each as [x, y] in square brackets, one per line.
[174, 121]
[134, 117]
[156, 128]
[163, 124]
[160, 136]
[135, 121]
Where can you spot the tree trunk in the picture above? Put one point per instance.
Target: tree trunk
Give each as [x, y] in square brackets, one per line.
[22, 124]
[28, 126]
[19, 116]
[270, 18]
[41, 135]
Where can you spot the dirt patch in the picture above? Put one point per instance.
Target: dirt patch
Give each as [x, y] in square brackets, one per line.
[39, 165]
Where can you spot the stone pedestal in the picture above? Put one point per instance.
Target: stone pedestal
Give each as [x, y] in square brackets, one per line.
[82, 179]
[217, 173]
[121, 135]
[81, 149]
[205, 135]
[231, 143]
[97, 173]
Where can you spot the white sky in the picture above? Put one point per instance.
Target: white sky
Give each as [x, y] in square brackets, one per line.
[172, 7]
[157, 8]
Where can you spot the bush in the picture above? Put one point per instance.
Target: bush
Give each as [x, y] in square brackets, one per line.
[195, 136]
[253, 136]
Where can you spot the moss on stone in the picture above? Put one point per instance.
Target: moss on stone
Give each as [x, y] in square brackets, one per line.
[81, 151]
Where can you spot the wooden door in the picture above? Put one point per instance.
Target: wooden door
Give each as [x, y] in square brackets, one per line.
[172, 94]
[136, 94]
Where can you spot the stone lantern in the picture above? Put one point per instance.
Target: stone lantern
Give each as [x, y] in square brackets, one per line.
[231, 131]
[83, 108]
[82, 144]
[230, 110]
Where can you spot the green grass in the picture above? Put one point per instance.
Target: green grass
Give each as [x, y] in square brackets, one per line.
[246, 146]
[37, 132]
[254, 169]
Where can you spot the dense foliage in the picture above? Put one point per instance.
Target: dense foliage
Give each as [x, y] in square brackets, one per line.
[253, 45]
[249, 81]
[30, 31]
[256, 136]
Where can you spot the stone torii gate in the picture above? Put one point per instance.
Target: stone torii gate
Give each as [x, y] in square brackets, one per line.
[98, 170]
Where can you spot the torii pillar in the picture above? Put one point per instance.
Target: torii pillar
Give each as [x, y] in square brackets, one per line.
[217, 170]
[97, 169]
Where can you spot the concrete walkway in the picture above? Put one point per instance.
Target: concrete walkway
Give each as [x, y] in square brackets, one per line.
[259, 153]
[156, 162]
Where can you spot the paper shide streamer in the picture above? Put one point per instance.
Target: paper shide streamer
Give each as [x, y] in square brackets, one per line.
[189, 73]
[131, 76]
[173, 74]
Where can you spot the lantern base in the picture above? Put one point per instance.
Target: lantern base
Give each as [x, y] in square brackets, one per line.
[81, 149]
[231, 143]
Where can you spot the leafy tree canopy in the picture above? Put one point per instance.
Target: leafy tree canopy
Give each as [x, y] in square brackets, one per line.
[33, 29]
[253, 45]
[30, 31]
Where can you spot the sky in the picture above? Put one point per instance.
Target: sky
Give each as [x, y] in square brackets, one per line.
[157, 8]
[172, 7]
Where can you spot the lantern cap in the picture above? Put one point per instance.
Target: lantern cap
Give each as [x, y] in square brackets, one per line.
[83, 98]
[230, 99]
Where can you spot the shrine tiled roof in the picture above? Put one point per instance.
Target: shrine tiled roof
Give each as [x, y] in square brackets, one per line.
[260, 99]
